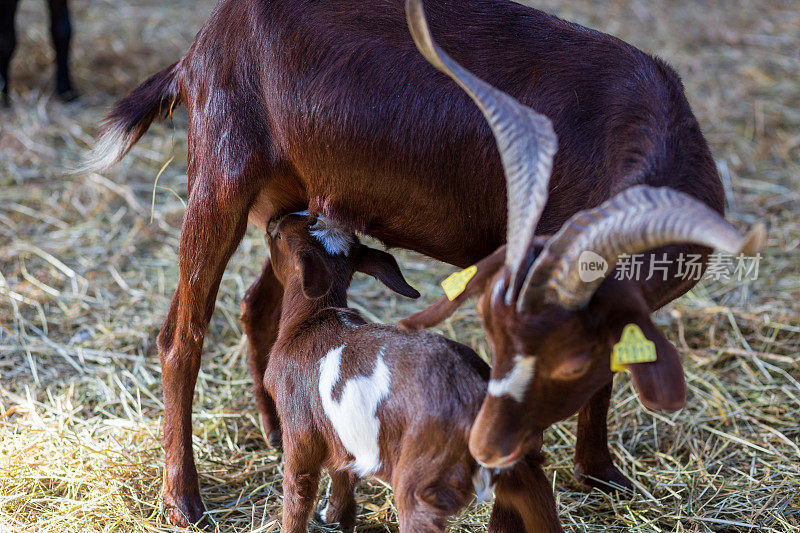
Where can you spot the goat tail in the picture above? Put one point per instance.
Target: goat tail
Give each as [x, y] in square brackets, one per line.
[131, 116]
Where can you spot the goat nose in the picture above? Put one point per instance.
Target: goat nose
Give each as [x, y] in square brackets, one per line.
[492, 448]
[495, 439]
[495, 457]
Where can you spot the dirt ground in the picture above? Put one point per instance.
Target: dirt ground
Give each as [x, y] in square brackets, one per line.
[86, 277]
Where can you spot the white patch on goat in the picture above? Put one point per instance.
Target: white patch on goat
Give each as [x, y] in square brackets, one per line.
[516, 382]
[354, 417]
[324, 514]
[111, 147]
[334, 236]
[484, 486]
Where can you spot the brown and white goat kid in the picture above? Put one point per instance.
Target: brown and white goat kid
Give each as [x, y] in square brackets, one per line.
[370, 400]
[551, 327]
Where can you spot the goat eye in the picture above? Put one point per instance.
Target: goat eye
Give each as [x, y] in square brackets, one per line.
[572, 367]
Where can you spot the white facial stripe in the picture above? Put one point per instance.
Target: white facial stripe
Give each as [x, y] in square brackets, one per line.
[335, 237]
[484, 486]
[516, 382]
[354, 417]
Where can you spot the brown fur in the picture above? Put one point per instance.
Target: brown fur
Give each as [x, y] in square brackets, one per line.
[437, 386]
[572, 368]
[296, 104]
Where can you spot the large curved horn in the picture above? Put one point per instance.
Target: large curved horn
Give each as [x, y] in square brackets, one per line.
[634, 221]
[525, 139]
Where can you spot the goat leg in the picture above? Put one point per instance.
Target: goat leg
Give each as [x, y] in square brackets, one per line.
[340, 508]
[593, 464]
[61, 35]
[524, 500]
[215, 221]
[8, 43]
[261, 310]
[301, 472]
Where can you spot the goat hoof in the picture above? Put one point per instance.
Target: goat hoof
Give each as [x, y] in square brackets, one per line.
[342, 523]
[185, 511]
[605, 478]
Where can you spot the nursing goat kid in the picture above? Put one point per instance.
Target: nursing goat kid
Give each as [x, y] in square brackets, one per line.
[329, 106]
[552, 330]
[369, 400]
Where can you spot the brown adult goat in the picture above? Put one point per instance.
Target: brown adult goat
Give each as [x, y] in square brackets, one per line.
[552, 331]
[295, 104]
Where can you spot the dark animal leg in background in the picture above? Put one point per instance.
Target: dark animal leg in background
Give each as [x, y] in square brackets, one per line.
[214, 223]
[8, 42]
[61, 33]
[341, 505]
[261, 310]
[593, 464]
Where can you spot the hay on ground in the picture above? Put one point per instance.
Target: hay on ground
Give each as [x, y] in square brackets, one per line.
[85, 281]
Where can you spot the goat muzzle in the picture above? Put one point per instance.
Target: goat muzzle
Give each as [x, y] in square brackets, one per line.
[498, 438]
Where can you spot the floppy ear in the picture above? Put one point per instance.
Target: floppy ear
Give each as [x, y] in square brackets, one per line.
[661, 384]
[441, 310]
[314, 274]
[383, 267]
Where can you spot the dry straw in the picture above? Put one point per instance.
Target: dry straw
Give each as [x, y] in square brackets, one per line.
[85, 281]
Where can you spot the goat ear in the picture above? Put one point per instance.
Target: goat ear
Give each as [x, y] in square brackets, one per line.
[315, 277]
[661, 384]
[441, 310]
[383, 267]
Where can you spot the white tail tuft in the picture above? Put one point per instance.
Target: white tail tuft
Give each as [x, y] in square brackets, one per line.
[108, 151]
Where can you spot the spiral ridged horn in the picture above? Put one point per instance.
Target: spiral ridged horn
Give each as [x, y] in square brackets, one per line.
[525, 139]
[634, 221]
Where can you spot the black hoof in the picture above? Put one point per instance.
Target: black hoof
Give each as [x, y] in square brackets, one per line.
[185, 511]
[607, 479]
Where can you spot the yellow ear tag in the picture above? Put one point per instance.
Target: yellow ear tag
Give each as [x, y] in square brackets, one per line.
[632, 348]
[456, 282]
